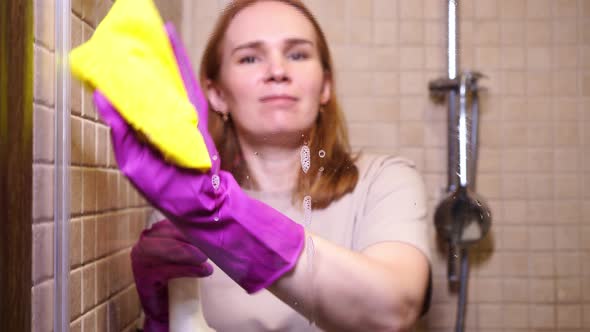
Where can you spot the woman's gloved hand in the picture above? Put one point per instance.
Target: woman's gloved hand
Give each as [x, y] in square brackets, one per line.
[163, 253]
[250, 241]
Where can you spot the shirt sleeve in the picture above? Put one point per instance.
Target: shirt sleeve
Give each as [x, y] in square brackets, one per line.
[394, 206]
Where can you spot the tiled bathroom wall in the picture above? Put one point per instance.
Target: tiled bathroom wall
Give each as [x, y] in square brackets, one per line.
[107, 214]
[532, 273]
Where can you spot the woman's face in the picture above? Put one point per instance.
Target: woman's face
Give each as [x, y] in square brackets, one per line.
[271, 78]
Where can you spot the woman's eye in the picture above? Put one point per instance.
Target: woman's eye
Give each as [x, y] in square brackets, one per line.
[247, 59]
[298, 56]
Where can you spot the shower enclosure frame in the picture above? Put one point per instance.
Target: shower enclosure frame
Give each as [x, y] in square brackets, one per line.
[16, 163]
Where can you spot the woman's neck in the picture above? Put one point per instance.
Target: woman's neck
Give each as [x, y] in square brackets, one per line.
[274, 168]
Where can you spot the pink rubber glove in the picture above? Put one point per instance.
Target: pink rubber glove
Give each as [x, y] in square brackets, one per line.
[163, 253]
[250, 241]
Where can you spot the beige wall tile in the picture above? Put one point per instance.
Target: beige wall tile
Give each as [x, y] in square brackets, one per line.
[88, 287]
[512, 9]
[411, 32]
[42, 306]
[44, 22]
[385, 32]
[538, 8]
[544, 316]
[43, 76]
[42, 255]
[43, 134]
[515, 316]
[75, 243]
[538, 32]
[541, 238]
[569, 316]
[89, 239]
[569, 290]
[88, 190]
[42, 192]
[75, 292]
[515, 290]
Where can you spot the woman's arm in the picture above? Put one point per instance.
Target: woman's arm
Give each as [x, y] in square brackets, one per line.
[380, 289]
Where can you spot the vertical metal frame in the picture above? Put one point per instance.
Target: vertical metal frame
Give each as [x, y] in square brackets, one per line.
[61, 322]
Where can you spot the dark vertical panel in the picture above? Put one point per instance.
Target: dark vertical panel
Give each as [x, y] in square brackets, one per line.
[16, 110]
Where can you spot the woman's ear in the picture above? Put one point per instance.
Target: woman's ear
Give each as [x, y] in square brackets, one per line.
[216, 98]
[326, 92]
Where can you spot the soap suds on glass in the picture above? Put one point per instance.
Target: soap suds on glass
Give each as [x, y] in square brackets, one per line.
[305, 159]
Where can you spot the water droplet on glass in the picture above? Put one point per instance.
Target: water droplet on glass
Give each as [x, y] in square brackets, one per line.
[321, 169]
[216, 218]
[307, 210]
[215, 181]
[305, 158]
[255, 153]
[214, 157]
[295, 303]
[322, 153]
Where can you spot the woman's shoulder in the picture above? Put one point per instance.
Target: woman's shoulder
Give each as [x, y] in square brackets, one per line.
[371, 165]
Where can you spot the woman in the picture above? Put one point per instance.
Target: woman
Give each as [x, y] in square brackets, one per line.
[268, 78]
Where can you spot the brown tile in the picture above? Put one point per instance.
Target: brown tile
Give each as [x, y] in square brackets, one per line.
[515, 238]
[487, 33]
[75, 190]
[542, 290]
[541, 212]
[490, 315]
[565, 32]
[411, 83]
[569, 316]
[514, 186]
[569, 290]
[515, 264]
[567, 186]
[543, 316]
[77, 152]
[44, 23]
[43, 133]
[103, 244]
[538, 58]
[515, 290]
[75, 242]
[42, 252]
[89, 190]
[567, 237]
[101, 318]
[75, 284]
[565, 83]
[540, 186]
[360, 31]
[76, 326]
[410, 32]
[89, 322]
[512, 9]
[102, 281]
[102, 141]
[89, 239]
[541, 238]
[568, 264]
[43, 76]
[539, 83]
[42, 192]
[89, 145]
[102, 192]
[489, 289]
[386, 84]
[515, 316]
[385, 33]
[566, 57]
[411, 9]
[542, 264]
[88, 287]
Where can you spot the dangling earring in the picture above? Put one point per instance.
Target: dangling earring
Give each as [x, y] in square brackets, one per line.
[224, 117]
[321, 108]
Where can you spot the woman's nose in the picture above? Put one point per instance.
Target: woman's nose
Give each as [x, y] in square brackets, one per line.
[277, 70]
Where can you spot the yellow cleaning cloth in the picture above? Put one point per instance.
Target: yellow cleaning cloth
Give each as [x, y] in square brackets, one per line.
[130, 60]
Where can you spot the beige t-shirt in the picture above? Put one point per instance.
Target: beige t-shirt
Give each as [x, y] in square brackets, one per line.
[388, 204]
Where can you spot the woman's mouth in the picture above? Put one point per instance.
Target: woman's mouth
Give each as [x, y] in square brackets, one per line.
[279, 100]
